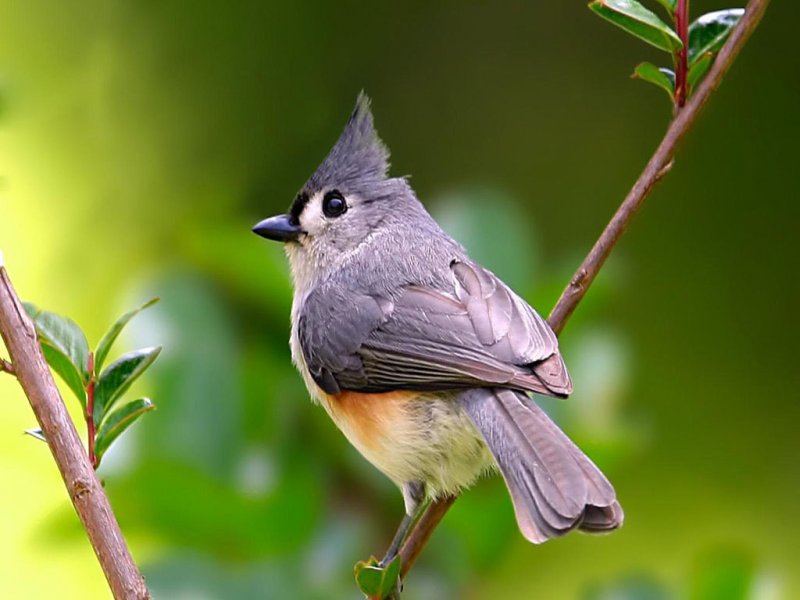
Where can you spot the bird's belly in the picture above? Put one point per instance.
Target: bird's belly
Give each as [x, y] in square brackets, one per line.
[409, 436]
[412, 436]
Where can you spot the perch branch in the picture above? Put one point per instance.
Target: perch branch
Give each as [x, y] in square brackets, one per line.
[85, 491]
[656, 168]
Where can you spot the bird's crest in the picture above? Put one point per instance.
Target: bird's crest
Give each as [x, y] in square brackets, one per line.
[358, 158]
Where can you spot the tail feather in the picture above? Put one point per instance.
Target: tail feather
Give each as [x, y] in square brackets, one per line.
[554, 486]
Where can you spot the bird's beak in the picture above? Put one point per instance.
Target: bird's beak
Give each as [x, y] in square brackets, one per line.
[279, 228]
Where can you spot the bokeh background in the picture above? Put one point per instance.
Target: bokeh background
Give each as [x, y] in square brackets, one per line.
[140, 141]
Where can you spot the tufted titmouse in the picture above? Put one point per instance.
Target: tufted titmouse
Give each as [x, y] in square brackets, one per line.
[422, 357]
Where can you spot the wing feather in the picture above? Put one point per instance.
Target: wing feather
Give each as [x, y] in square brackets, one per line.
[480, 334]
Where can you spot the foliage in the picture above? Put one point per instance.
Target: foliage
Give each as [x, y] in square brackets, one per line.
[376, 580]
[704, 36]
[638, 21]
[66, 350]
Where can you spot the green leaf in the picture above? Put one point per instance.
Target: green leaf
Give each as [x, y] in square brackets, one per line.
[709, 32]
[64, 347]
[699, 69]
[638, 21]
[374, 580]
[391, 573]
[118, 421]
[369, 577]
[66, 370]
[105, 344]
[670, 5]
[36, 433]
[118, 377]
[663, 78]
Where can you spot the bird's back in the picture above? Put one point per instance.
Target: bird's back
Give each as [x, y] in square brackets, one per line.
[409, 248]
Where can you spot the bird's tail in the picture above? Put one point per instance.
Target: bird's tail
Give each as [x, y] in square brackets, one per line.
[554, 486]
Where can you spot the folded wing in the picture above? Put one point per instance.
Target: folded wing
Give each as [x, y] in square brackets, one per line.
[480, 334]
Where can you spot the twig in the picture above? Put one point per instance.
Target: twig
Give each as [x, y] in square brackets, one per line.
[682, 55]
[6, 367]
[84, 489]
[656, 168]
[89, 415]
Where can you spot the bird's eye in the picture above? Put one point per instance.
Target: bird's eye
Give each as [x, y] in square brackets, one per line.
[333, 204]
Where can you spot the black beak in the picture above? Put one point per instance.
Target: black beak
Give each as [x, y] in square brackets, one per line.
[279, 228]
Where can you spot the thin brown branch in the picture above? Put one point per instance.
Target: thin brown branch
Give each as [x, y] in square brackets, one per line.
[6, 367]
[84, 489]
[655, 168]
[682, 55]
[89, 415]
[658, 166]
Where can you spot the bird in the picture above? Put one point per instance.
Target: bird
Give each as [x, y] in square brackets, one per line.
[424, 359]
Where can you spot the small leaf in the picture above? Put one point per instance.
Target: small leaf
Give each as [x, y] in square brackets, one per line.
[638, 21]
[709, 32]
[105, 344]
[36, 433]
[66, 370]
[663, 78]
[391, 572]
[669, 5]
[374, 580]
[118, 421]
[369, 577]
[118, 377]
[699, 69]
[64, 346]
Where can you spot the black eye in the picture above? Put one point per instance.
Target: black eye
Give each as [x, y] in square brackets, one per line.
[333, 204]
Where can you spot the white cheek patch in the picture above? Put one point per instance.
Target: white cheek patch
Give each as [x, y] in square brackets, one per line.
[312, 221]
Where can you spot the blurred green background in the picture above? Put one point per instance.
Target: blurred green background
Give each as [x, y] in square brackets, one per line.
[139, 141]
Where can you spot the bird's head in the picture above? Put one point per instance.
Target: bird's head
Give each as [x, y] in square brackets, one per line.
[344, 203]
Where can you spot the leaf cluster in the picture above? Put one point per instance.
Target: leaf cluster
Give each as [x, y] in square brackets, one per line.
[98, 390]
[706, 35]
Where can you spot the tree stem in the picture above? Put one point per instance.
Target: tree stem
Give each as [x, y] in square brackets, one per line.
[656, 168]
[85, 491]
[90, 428]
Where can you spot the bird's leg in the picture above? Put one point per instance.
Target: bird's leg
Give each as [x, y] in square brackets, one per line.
[414, 498]
[415, 503]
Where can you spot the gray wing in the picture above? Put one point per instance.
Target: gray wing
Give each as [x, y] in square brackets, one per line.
[481, 334]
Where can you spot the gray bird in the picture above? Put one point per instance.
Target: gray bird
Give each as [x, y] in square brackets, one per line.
[423, 358]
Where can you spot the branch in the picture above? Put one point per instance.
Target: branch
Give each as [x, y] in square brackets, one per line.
[681, 57]
[6, 367]
[656, 168]
[84, 488]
